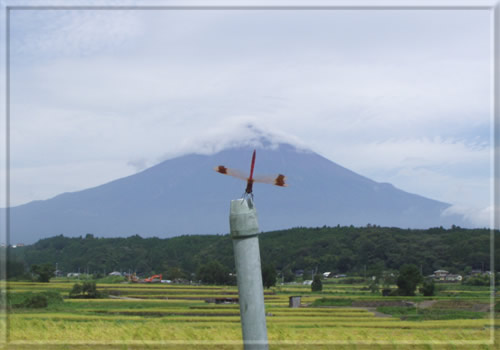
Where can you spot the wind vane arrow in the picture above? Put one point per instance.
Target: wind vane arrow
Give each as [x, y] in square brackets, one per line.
[277, 180]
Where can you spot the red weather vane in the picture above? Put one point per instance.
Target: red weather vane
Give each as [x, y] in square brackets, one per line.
[278, 180]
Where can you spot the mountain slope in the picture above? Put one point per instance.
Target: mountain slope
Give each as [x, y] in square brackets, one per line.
[186, 196]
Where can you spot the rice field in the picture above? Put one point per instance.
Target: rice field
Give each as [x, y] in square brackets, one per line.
[175, 316]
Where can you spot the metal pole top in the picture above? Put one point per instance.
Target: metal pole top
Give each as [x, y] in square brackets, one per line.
[243, 218]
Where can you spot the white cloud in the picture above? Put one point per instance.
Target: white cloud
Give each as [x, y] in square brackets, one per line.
[50, 33]
[479, 217]
[138, 164]
[233, 132]
[448, 170]
[416, 152]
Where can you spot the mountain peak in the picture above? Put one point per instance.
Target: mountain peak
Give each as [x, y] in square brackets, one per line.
[233, 136]
[183, 195]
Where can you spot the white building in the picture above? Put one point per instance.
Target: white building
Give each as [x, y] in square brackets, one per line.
[443, 275]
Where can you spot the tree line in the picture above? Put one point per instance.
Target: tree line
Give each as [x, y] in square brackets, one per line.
[349, 250]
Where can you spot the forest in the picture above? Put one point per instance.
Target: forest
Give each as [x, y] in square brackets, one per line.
[368, 250]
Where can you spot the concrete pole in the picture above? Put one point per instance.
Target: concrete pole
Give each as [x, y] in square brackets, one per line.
[244, 231]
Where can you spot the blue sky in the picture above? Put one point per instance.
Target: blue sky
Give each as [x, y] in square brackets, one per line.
[398, 96]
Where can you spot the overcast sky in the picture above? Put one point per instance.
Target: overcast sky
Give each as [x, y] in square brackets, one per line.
[397, 96]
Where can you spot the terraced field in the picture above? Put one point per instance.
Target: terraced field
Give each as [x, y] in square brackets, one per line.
[175, 316]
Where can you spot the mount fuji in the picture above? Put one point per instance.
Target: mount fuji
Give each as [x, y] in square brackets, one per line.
[184, 195]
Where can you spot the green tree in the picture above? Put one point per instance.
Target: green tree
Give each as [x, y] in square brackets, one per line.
[479, 280]
[373, 286]
[36, 301]
[90, 289]
[268, 276]
[408, 279]
[344, 263]
[428, 288]
[288, 276]
[87, 291]
[214, 273]
[15, 269]
[76, 291]
[174, 273]
[317, 285]
[43, 272]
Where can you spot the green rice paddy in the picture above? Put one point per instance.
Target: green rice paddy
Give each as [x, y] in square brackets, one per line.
[179, 316]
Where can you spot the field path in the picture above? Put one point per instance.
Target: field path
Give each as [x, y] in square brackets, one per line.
[117, 297]
[376, 313]
[370, 309]
[426, 304]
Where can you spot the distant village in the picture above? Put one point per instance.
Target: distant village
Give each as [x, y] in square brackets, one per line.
[437, 276]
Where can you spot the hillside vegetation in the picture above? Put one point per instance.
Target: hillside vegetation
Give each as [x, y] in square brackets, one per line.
[352, 250]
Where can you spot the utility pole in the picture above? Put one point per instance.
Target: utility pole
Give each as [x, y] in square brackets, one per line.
[244, 233]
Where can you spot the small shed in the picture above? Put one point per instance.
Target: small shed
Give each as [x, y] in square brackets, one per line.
[294, 301]
[226, 300]
[222, 300]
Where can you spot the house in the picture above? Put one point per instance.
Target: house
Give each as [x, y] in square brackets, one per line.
[115, 273]
[479, 272]
[440, 273]
[452, 278]
[327, 274]
[73, 274]
[445, 276]
[307, 282]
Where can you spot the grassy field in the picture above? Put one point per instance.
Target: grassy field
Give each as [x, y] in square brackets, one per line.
[178, 316]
